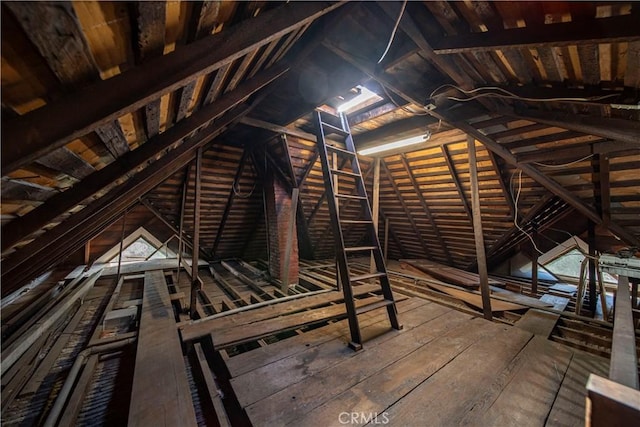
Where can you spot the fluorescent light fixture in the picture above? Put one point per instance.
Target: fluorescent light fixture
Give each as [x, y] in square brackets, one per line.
[396, 144]
[364, 96]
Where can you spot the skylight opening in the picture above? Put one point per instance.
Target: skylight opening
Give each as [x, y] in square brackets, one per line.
[364, 97]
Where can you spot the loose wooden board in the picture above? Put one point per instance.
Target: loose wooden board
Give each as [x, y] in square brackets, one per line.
[160, 393]
[254, 359]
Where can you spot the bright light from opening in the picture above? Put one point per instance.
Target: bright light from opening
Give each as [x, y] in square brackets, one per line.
[365, 95]
[396, 144]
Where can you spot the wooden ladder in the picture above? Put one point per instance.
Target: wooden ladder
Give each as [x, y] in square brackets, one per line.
[338, 128]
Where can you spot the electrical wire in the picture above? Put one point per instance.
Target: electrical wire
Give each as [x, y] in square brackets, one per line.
[564, 164]
[510, 95]
[393, 33]
[236, 188]
[515, 211]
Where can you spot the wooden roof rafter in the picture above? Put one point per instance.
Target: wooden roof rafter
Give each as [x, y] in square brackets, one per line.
[52, 126]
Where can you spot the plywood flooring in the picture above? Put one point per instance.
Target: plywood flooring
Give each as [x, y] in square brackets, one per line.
[444, 368]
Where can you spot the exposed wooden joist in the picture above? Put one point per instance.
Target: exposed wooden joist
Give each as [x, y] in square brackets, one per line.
[36, 219]
[425, 207]
[186, 241]
[603, 189]
[197, 194]
[456, 182]
[501, 151]
[75, 231]
[59, 122]
[503, 185]
[605, 127]
[477, 230]
[249, 121]
[613, 29]
[113, 138]
[204, 16]
[400, 198]
[227, 207]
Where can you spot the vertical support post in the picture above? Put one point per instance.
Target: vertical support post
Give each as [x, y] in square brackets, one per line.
[334, 163]
[376, 206]
[185, 186]
[593, 300]
[289, 243]
[386, 239]
[124, 222]
[195, 280]
[87, 252]
[477, 229]
[534, 263]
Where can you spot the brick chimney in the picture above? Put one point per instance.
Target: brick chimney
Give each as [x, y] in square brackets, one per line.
[279, 205]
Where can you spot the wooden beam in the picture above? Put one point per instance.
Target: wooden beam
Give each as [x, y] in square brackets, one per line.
[195, 278]
[477, 230]
[456, 182]
[60, 122]
[611, 404]
[85, 224]
[277, 128]
[605, 127]
[425, 207]
[227, 207]
[159, 360]
[593, 266]
[614, 29]
[602, 186]
[413, 224]
[57, 205]
[623, 368]
[534, 262]
[375, 208]
[503, 185]
[498, 149]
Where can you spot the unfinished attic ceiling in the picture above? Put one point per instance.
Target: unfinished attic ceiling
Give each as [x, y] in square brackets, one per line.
[105, 105]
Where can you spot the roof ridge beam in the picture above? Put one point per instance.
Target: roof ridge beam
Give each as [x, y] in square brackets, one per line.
[613, 29]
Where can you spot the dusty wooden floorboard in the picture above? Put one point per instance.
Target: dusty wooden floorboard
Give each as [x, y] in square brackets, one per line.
[242, 333]
[293, 402]
[540, 322]
[568, 408]
[533, 380]
[446, 397]
[296, 368]
[213, 326]
[254, 359]
[382, 389]
[160, 393]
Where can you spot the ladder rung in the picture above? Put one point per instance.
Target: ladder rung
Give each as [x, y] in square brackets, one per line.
[356, 221]
[345, 173]
[349, 196]
[368, 276]
[340, 150]
[374, 306]
[334, 129]
[360, 248]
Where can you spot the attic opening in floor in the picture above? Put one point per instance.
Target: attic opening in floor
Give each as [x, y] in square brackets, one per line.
[212, 215]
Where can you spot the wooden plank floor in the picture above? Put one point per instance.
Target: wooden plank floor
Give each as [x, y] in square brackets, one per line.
[160, 393]
[444, 368]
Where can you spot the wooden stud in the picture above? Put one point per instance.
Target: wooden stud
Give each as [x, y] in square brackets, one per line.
[477, 230]
[375, 206]
[534, 263]
[593, 265]
[425, 207]
[227, 207]
[623, 368]
[195, 279]
[289, 243]
[456, 181]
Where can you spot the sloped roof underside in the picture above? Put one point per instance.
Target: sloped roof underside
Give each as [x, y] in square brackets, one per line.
[95, 94]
